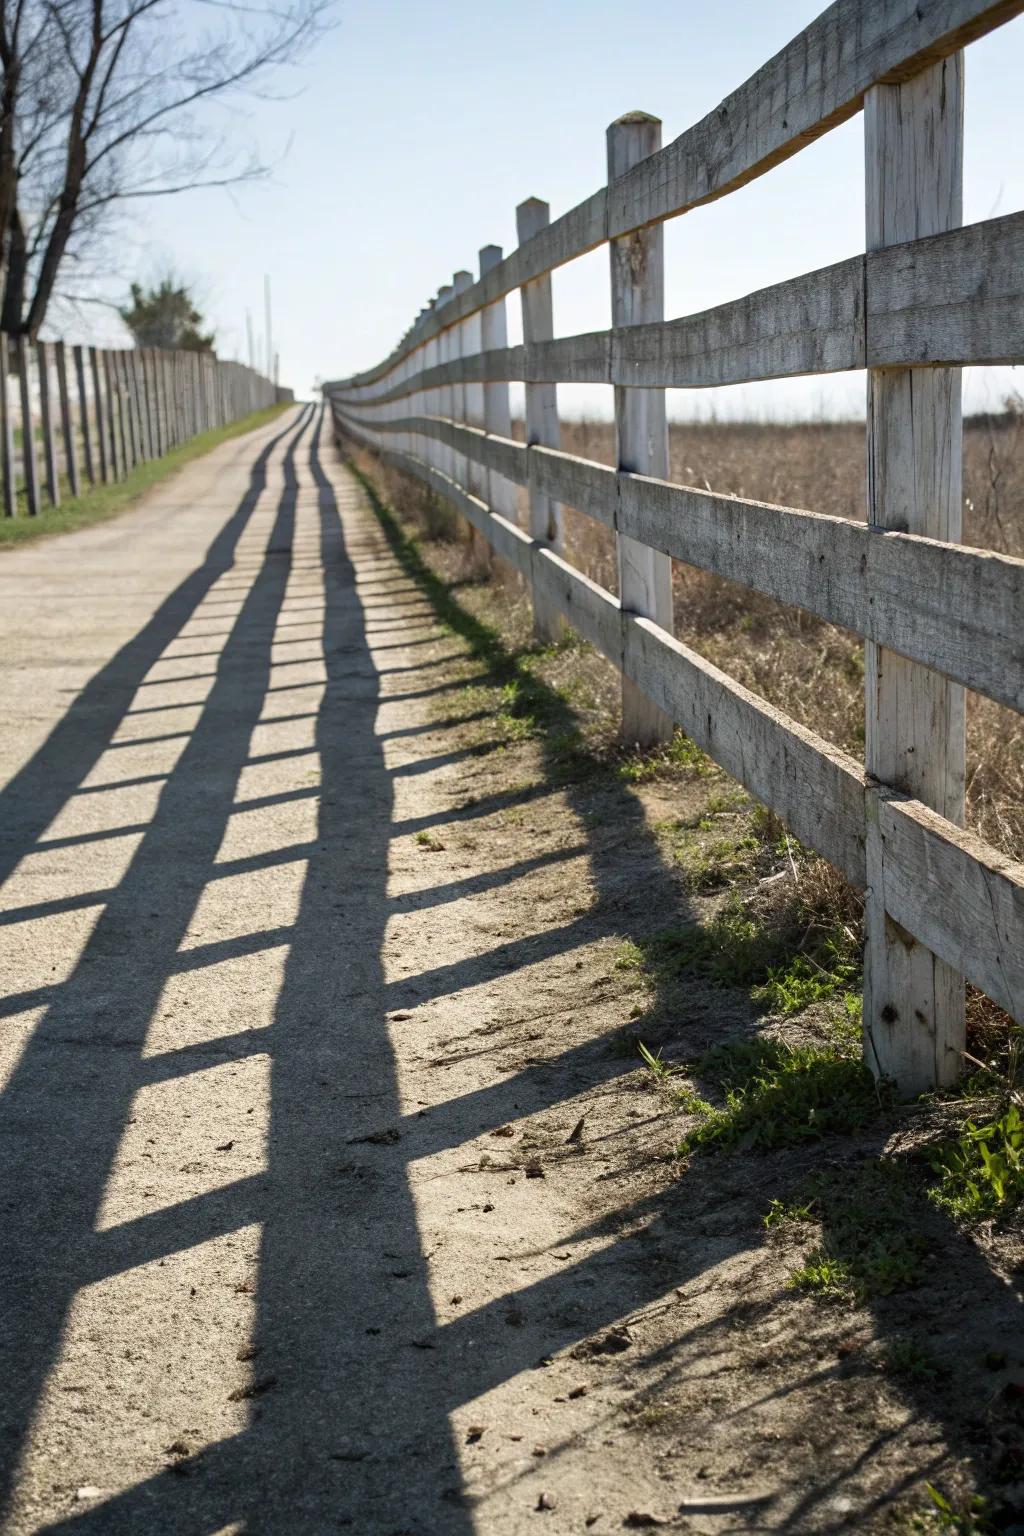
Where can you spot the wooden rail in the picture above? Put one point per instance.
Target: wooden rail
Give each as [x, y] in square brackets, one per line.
[926, 297]
[108, 412]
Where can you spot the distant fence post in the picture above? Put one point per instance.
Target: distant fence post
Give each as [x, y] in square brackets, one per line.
[78, 357]
[7, 431]
[100, 412]
[460, 472]
[542, 425]
[501, 493]
[66, 426]
[46, 416]
[445, 394]
[641, 430]
[914, 726]
[28, 441]
[114, 420]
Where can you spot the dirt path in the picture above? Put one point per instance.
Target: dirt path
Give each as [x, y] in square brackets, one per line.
[327, 1204]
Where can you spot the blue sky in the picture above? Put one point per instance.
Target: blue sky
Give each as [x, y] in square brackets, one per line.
[414, 131]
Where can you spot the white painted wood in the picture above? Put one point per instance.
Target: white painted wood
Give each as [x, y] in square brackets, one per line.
[958, 610]
[637, 264]
[914, 721]
[542, 424]
[961, 898]
[497, 409]
[446, 395]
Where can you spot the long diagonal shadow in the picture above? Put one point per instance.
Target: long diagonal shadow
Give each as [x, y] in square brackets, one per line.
[338, 1346]
[63, 1112]
[361, 1378]
[33, 796]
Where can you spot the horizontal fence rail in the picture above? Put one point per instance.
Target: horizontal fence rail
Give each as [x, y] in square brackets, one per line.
[936, 616]
[89, 415]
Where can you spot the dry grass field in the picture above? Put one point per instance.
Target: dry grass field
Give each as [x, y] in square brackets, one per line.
[812, 669]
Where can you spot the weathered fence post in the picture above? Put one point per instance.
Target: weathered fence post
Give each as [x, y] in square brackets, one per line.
[102, 419]
[914, 727]
[542, 425]
[28, 442]
[46, 416]
[7, 431]
[501, 493]
[78, 356]
[66, 425]
[446, 393]
[641, 431]
[114, 419]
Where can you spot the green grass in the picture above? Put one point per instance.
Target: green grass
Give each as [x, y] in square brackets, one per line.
[106, 501]
[521, 705]
[869, 1242]
[681, 752]
[981, 1169]
[778, 1095]
[737, 949]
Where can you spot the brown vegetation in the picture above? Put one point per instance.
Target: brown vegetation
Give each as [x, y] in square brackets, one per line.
[811, 669]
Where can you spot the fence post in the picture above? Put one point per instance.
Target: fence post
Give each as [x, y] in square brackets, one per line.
[46, 416]
[6, 431]
[28, 442]
[115, 421]
[106, 472]
[78, 357]
[446, 393]
[914, 724]
[541, 409]
[66, 427]
[501, 493]
[641, 431]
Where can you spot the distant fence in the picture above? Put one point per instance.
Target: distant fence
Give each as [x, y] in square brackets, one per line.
[936, 617]
[74, 415]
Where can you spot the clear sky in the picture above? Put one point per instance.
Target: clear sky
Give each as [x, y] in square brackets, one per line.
[414, 130]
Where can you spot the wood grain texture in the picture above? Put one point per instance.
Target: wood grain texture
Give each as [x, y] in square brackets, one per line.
[951, 298]
[961, 898]
[541, 409]
[497, 408]
[914, 718]
[637, 274]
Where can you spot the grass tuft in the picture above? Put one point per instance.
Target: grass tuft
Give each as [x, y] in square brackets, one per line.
[981, 1170]
[778, 1095]
[869, 1245]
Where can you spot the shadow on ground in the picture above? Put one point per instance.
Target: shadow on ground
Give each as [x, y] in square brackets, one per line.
[353, 1382]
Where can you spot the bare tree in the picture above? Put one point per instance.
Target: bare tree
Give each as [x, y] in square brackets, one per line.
[104, 102]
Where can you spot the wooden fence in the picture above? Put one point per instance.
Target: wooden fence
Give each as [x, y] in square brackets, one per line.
[925, 297]
[74, 414]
